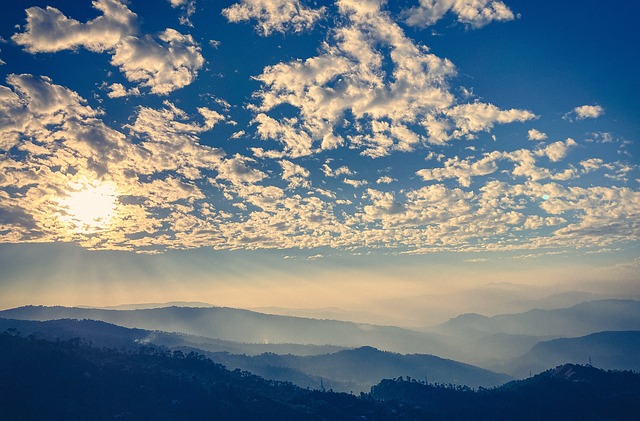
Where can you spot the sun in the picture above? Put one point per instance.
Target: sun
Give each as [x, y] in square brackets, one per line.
[90, 207]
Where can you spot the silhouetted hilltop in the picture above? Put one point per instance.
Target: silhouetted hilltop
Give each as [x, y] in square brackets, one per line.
[568, 392]
[607, 350]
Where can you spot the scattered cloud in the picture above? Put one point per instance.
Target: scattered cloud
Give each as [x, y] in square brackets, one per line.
[274, 15]
[585, 111]
[163, 66]
[384, 110]
[299, 177]
[385, 179]
[534, 134]
[472, 13]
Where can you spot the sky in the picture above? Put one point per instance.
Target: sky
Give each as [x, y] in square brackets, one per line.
[415, 159]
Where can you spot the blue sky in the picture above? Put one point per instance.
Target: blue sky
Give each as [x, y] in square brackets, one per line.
[261, 152]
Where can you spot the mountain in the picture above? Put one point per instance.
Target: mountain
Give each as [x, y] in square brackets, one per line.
[345, 370]
[607, 350]
[153, 305]
[494, 342]
[247, 326]
[102, 334]
[568, 392]
[356, 370]
[580, 319]
[67, 380]
[60, 380]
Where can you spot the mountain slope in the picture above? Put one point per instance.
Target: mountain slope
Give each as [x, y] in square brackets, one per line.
[581, 319]
[568, 392]
[347, 370]
[358, 369]
[607, 350]
[247, 326]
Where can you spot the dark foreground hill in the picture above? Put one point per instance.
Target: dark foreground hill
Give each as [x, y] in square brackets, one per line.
[62, 380]
[568, 392]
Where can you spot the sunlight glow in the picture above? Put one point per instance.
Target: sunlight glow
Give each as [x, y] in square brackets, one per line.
[90, 207]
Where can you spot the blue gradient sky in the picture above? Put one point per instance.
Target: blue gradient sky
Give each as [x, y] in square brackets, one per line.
[357, 154]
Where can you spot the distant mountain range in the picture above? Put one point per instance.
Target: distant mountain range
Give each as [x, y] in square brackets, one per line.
[515, 344]
[341, 370]
[247, 326]
[580, 319]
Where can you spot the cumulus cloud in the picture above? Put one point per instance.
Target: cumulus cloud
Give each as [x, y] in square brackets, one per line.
[355, 183]
[348, 86]
[535, 134]
[473, 13]
[162, 66]
[188, 9]
[585, 111]
[463, 170]
[274, 15]
[557, 150]
[295, 174]
[385, 179]
[49, 30]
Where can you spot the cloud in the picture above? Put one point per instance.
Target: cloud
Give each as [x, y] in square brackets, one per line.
[584, 112]
[463, 170]
[274, 15]
[473, 13]
[188, 7]
[385, 179]
[348, 87]
[48, 30]
[295, 174]
[557, 150]
[534, 134]
[118, 90]
[355, 183]
[329, 172]
[64, 144]
[162, 66]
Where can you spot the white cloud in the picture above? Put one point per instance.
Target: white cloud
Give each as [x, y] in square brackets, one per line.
[162, 66]
[329, 172]
[348, 86]
[537, 135]
[475, 117]
[584, 112]
[385, 179]
[49, 30]
[274, 15]
[463, 170]
[557, 150]
[355, 183]
[118, 90]
[295, 174]
[474, 13]
[188, 7]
